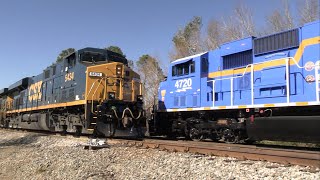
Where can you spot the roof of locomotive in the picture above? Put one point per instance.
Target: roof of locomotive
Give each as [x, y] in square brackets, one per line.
[110, 55]
[188, 58]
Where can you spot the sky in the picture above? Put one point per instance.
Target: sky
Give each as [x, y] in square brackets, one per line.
[33, 32]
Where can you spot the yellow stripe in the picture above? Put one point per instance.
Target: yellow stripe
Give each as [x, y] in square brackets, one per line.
[302, 103]
[269, 105]
[174, 110]
[242, 106]
[267, 64]
[189, 109]
[50, 106]
[206, 108]
[222, 107]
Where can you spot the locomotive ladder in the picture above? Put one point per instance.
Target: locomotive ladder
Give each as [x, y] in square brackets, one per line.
[93, 121]
[94, 111]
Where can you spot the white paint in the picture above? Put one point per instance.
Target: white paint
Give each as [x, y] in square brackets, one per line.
[189, 57]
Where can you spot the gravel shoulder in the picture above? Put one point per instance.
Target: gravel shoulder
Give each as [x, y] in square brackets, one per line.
[27, 155]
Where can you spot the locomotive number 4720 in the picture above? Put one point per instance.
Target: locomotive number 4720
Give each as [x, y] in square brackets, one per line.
[183, 84]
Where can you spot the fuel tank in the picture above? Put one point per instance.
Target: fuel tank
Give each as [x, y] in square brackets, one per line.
[285, 128]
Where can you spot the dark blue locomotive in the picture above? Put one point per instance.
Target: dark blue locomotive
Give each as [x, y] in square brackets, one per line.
[249, 89]
[89, 91]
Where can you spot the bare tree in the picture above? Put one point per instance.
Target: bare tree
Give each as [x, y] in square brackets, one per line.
[151, 76]
[230, 30]
[280, 21]
[214, 35]
[287, 15]
[276, 22]
[244, 19]
[239, 25]
[187, 41]
[309, 11]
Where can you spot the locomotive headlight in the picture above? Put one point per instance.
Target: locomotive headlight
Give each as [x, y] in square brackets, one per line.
[119, 70]
[111, 95]
[139, 98]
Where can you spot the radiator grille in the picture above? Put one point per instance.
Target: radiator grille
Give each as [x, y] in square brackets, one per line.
[280, 41]
[237, 60]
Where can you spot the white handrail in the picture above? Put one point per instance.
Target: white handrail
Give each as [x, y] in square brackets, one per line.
[287, 80]
[252, 82]
[316, 72]
[287, 59]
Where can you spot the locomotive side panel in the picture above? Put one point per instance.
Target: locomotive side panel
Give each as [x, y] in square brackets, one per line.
[256, 88]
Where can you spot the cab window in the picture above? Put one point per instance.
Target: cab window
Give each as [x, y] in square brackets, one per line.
[70, 61]
[92, 57]
[183, 68]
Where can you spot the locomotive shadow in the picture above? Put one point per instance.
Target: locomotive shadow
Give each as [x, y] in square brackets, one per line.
[21, 141]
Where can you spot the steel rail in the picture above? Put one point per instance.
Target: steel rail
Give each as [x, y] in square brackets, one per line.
[242, 152]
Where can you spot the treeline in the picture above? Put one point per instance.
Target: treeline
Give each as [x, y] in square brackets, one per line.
[193, 39]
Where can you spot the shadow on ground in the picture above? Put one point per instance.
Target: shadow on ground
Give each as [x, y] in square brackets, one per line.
[22, 141]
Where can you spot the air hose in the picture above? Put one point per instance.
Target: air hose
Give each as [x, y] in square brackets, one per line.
[123, 114]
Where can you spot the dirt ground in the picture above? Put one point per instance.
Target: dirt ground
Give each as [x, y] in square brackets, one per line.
[26, 155]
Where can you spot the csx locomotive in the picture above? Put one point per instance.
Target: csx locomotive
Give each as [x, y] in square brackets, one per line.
[89, 91]
[249, 89]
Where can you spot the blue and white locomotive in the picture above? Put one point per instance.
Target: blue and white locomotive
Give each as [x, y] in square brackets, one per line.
[264, 88]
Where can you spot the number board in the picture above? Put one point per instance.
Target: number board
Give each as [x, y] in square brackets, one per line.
[183, 85]
[95, 74]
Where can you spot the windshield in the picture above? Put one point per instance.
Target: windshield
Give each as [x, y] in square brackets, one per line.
[92, 57]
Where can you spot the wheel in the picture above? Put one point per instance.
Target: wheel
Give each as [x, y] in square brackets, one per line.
[78, 131]
[195, 134]
[229, 136]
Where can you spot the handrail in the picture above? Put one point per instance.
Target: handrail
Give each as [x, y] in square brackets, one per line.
[287, 60]
[91, 88]
[245, 71]
[95, 94]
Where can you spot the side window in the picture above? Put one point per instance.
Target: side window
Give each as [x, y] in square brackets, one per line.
[54, 70]
[179, 70]
[186, 68]
[192, 67]
[46, 74]
[71, 61]
[174, 71]
[183, 69]
[204, 65]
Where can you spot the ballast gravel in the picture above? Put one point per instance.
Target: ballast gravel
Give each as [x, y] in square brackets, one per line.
[26, 155]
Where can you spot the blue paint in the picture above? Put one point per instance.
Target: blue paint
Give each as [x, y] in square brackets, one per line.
[270, 82]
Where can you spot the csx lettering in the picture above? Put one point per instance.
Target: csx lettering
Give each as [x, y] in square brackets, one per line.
[69, 77]
[35, 91]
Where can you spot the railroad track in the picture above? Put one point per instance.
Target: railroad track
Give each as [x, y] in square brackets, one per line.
[242, 152]
[239, 151]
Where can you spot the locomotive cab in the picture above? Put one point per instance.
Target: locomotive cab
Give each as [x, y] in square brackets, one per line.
[113, 94]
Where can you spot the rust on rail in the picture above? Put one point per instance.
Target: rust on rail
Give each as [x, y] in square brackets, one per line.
[243, 152]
